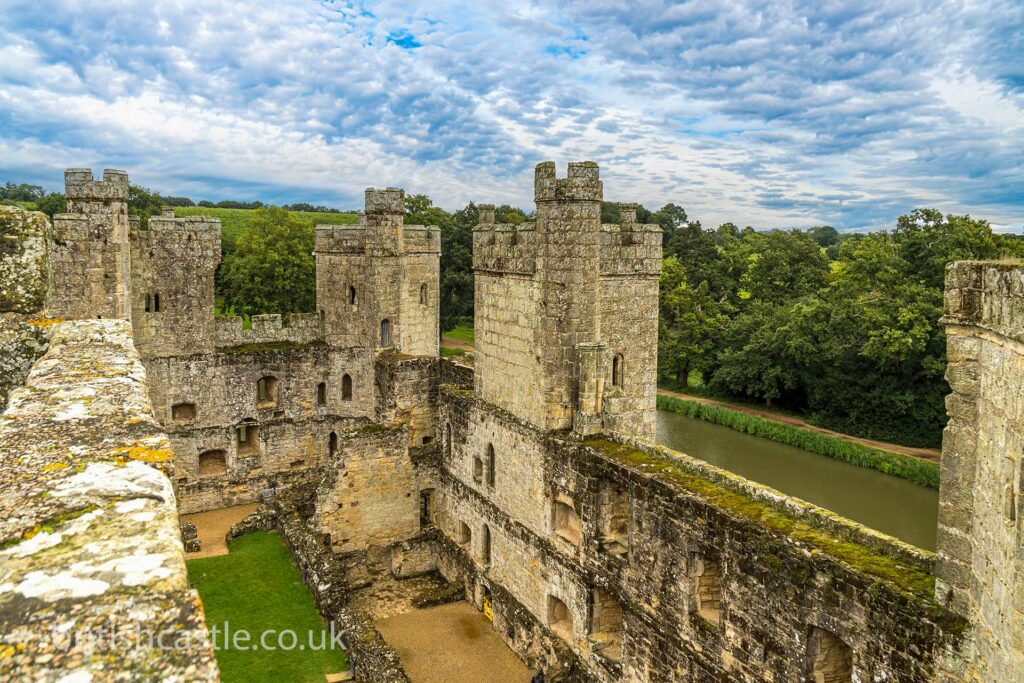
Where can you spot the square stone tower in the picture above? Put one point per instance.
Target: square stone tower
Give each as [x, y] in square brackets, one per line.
[173, 267]
[980, 567]
[567, 310]
[377, 283]
[91, 258]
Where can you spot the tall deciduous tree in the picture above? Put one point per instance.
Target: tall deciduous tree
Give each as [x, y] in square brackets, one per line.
[271, 269]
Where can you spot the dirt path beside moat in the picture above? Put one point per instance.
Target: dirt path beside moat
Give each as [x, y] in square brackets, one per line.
[213, 527]
[450, 343]
[924, 453]
[451, 644]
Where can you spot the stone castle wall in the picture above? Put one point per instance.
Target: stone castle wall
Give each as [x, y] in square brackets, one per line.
[88, 523]
[980, 568]
[775, 588]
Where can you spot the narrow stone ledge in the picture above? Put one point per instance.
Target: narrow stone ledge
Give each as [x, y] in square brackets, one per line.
[92, 570]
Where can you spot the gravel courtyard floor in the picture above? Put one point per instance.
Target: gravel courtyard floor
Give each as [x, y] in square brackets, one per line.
[450, 644]
[213, 526]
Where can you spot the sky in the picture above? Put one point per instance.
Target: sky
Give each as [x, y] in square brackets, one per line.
[780, 114]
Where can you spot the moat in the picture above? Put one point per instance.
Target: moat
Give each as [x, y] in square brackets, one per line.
[891, 505]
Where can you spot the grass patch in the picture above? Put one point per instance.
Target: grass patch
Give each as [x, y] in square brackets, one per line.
[258, 588]
[447, 352]
[906, 467]
[461, 333]
[901, 575]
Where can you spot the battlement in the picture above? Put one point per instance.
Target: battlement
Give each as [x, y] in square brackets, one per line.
[582, 184]
[986, 294]
[421, 239]
[503, 247]
[352, 239]
[167, 228]
[81, 186]
[630, 248]
[302, 328]
[342, 239]
[388, 201]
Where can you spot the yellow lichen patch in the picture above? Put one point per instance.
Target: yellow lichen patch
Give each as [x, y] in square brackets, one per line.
[31, 532]
[44, 322]
[147, 454]
[54, 466]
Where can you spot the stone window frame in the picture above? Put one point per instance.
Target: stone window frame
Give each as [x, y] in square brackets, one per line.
[705, 588]
[321, 394]
[353, 296]
[218, 455]
[424, 298]
[618, 371]
[385, 333]
[181, 416]
[839, 660]
[560, 618]
[346, 387]
[151, 304]
[332, 444]
[427, 504]
[485, 545]
[247, 438]
[611, 496]
[465, 535]
[489, 464]
[268, 389]
[565, 519]
[606, 642]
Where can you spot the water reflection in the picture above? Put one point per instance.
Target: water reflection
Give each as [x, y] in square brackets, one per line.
[890, 505]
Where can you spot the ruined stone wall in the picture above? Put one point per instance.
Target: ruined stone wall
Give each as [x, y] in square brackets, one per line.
[173, 264]
[90, 255]
[204, 399]
[88, 525]
[783, 570]
[980, 564]
[408, 395]
[367, 496]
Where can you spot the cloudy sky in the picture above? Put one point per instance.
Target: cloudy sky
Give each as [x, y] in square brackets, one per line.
[767, 114]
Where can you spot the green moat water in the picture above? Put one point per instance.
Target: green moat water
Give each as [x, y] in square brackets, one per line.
[890, 505]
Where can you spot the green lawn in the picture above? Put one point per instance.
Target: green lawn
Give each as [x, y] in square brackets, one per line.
[462, 333]
[233, 221]
[257, 588]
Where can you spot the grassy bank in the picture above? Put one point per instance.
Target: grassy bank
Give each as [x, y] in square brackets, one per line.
[257, 588]
[912, 469]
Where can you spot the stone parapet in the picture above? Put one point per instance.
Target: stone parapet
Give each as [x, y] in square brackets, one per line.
[92, 567]
[986, 294]
[302, 328]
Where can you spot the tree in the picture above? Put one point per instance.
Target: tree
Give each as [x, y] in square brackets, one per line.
[143, 203]
[52, 204]
[670, 217]
[271, 269]
[21, 193]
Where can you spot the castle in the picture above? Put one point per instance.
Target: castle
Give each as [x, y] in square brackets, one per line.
[527, 483]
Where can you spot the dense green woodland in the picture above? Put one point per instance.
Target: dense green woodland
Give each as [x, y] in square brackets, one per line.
[842, 328]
